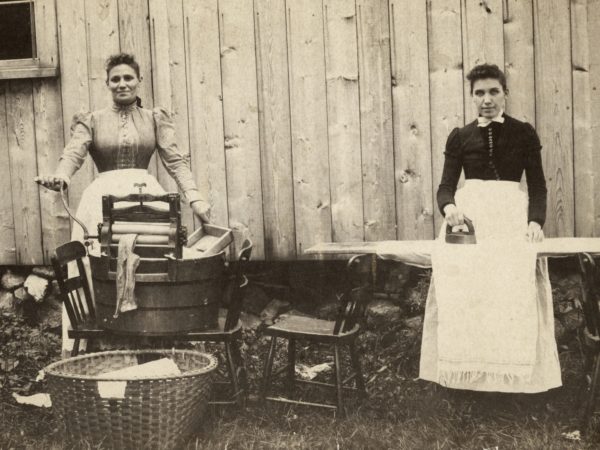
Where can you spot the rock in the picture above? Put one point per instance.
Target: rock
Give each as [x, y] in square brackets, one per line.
[559, 331]
[37, 287]
[295, 312]
[381, 308]
[397, 277]
[21, 294]
[250, 321]
[49, 312]
[46, 272]
[272, 310]
[255, 299]
[572, 320]
[11, 281]
[328, 310]
[54, 288]
[414, 323]
[7, 302]
[390, 338]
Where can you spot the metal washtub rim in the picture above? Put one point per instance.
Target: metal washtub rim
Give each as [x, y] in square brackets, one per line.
[51, 368]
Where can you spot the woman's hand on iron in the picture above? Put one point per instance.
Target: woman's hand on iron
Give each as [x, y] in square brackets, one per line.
[52, 182]
[535, 232]
[453, 215]
[201, 208]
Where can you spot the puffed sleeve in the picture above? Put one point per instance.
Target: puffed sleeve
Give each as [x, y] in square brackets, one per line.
[76, 150]
[176, 163]
[536, 182]
[451, 171]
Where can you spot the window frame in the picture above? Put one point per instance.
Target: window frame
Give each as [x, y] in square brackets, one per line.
[44, 64]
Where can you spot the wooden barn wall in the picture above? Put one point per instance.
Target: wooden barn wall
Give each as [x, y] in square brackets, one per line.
[309, 120]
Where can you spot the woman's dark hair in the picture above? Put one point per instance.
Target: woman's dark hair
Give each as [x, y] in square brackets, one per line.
[483, 71]
[123, 58]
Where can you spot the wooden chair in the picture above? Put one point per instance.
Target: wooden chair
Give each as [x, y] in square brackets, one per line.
[229, 332]
[591, 336]
[341, 332]
[76, 295]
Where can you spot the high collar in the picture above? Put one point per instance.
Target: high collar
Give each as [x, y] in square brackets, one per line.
[484, 121]
[124, 108]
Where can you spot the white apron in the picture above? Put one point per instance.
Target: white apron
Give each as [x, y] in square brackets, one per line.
[489, 323]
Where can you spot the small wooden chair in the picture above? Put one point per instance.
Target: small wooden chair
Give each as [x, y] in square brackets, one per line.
[229, 332]
[341, 332]
[591, 336]
[76, 295]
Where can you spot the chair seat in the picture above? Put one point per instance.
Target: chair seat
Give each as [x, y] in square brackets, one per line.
[88, 329]
[215, 332]
[306, 326]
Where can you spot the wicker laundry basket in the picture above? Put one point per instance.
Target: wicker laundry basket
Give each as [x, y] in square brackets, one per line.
[155, 412]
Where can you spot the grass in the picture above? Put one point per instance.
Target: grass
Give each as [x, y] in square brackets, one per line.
[401, 412]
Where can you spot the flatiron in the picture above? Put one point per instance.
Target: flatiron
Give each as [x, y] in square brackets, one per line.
[461, 236]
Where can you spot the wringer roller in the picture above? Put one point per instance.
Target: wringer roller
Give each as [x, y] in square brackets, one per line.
[177, 288]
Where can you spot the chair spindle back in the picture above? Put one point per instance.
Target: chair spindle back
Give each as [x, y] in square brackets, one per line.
[74, 289]
[238, 288]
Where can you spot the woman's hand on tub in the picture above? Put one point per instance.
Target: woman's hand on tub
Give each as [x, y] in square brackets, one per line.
[201, 208]
[453, 215]
[535, 232]
[53, 182]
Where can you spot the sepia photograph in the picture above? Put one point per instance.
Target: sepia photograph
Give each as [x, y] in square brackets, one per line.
[299, 224]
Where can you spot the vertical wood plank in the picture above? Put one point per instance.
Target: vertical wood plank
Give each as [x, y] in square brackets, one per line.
[312, 201]
[102, 17]
[46, 32]
[8, 252]
[583, 146]
[49, 139]
[240, 114]
[593, 12]
[554, 113]
[74, 81]
[275, 133]
[207, 144]
[134, 37]
[343, 113]
[49, 143]
[170, 81]
[483, 40]
[376, 120]
[412, 138]
[518, 60]
[445, 82]
[23, 168]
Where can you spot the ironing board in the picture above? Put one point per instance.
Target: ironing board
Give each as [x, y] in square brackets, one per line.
[418, 253]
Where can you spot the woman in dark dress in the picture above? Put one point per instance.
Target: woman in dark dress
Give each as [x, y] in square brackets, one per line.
[489, 323]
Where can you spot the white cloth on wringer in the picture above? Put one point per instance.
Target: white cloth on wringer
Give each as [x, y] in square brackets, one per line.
[488, 321]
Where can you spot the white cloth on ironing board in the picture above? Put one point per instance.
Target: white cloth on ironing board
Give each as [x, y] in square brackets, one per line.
[113, 182]
[488, 321]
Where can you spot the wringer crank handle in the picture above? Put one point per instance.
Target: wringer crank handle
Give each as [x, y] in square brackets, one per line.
[86, 234]
[140, 186]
